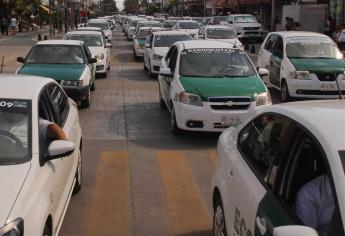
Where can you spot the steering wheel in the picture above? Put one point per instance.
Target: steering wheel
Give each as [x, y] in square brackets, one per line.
[229, 68]
[12, 139]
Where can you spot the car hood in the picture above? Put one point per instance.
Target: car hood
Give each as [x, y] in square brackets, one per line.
[216, 87]
[96, 51]
[12, 178]
[54, 71]
[161, 51]
[316, 65]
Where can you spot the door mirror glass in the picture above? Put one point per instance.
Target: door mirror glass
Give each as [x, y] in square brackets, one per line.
[92, 60]
[263, 72]
[60, 148]
[20, 59]
[295, 230]
[165, 72]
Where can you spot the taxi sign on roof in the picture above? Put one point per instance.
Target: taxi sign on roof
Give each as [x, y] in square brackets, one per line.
[308, 40]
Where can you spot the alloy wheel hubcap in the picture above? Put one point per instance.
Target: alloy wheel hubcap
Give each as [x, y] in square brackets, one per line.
[219, 224]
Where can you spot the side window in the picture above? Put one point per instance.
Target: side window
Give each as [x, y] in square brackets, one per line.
[87, 52]
[169, 54]
[172, 62]
[278, 47]
[60, 102]
[263, 143]
[45, 109]
[270, 43]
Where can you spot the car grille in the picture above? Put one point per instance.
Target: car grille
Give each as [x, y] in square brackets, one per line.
[156, 68]
[327, 77]
[229, 103]
[251, 28]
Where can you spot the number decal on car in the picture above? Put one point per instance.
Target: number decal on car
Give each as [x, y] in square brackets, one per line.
[6, 104]
[240, 225]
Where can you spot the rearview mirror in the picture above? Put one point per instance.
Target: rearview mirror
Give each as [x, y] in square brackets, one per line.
[263, 72]
[92, 60]
[20, 59]
[60, 148]
[165, 72]
[147, 45]
[296, 230]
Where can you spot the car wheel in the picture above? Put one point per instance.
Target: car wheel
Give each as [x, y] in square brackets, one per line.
[47, 231]
[219, 227]
[85, 103]
[173, 124]
[93, 86]
[108, 68]
[284, 92]
[78, 174]
[161, 101]
[150, 71]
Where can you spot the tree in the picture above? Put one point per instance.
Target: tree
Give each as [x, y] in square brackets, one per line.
[131, 6]
[109, 7]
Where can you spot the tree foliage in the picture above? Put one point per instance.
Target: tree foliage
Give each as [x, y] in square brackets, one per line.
[24, 8]
[131, 6]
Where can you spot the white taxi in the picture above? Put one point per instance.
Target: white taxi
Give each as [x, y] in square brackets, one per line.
[281, 173]
[39, 171]
[156, 47]
[190, 26]
[220, 33]
[98, 47]
[209, 86]
[139, 40]
[303, 65]
[103, 24]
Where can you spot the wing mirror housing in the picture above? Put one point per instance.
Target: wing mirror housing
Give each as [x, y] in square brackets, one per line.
[92, 60]
[147, 45]
[296, 230]
[20, 59]
[60, 148]
[108, 45]
[263, 72]
[166, 72]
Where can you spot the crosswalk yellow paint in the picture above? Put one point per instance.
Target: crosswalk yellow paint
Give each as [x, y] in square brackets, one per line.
[109, 210]
[187, 213]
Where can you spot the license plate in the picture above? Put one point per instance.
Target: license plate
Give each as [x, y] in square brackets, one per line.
[328, 87]
[230, 120]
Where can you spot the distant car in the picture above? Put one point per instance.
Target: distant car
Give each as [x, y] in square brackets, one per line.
[98, 47]
[218, 20]
[103, 24]
[303, 65]
[147, 23]
[69, 62]
[130, 27]
[220, 33]
[209, 86]
[200, 20]
[139, 40]
[190, 26]
[157, 45]
[37, 175]
[95, 29]
[281, 172]
[169, 24]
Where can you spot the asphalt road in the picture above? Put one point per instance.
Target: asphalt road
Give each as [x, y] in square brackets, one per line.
[138, 179]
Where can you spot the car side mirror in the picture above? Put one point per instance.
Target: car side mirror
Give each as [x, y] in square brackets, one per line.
[92, 60]
[165, 72]
[20, 59]
[147, 45]
[60, 148]
[263, 72]
[296, 230]
[230, 22]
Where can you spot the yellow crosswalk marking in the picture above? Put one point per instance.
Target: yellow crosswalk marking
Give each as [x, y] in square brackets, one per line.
[186, 211]
[108, 213]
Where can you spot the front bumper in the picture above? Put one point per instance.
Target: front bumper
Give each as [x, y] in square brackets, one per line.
[139, 52]
[101, 67]
[155, 66]
[204, 118]
[76, 93]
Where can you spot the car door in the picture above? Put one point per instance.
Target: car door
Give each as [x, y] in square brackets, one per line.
[276, 61]
[265, 55]
[263, 145]
[165, 81]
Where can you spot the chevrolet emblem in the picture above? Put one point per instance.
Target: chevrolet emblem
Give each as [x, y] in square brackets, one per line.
[229, 103]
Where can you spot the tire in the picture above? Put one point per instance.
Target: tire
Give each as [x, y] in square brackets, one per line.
[284, 92]
[78, 175]
[93, 86]
[47, 231]
[108, 68]
[87, 101]
[150, 71]
[175, 130]
[219, 226]
[161, 101]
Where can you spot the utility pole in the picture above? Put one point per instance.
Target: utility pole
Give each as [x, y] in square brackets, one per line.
[273, 15]
[66, 15]
[51, 2]
[204, 8]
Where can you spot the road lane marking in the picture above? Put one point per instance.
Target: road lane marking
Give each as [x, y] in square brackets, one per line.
[186, 211]
[108, 213]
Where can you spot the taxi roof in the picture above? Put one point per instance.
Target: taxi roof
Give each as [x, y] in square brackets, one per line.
[84, 32]
[187, 21]
[288, 34]
[170, 32]
[21, 86]
[218, 27]
[205, 44]
[149, 27]
[89, 28]
[326, 116]
[60, 42]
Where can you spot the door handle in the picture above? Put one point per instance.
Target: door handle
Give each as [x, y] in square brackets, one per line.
[261, 224]
[231, 173]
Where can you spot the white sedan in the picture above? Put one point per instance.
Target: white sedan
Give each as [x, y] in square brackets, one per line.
[281, 172]
[39, 168]
[190, 26]
[220, 33]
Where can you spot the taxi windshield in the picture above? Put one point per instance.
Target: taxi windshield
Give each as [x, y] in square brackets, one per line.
[15, 131]
[215, 62]
[314, 47]
[150, 24]
[189, 25]
[168, 40]
[220, 34]
[169, 24]
[89, 40]
[103, 26]
[244, 19]
[55, 54]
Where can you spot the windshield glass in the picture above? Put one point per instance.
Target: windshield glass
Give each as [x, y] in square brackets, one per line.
[220, 34]
[169, 24]
[245, 19]
[89, 40]
[189, 25]
[215, 62]
[15, 131]
[218, 19]
[103, 26]
[56, 54]
[312, 47]
[198, 19]
[168, 40]
[150, 24]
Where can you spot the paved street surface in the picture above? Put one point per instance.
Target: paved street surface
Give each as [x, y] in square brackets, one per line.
[138, 179]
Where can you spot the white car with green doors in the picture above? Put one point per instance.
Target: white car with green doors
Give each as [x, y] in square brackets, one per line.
[147, 23]
[69, 62]
[39, 171]
[209, 86]
[281, 173]
[220, 33]
[302, 65]
[103, 24]
[190, 26]
[157, 45]
[98, 47]
[139, 40]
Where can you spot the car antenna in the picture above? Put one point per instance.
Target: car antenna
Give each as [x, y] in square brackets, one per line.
[341, 97]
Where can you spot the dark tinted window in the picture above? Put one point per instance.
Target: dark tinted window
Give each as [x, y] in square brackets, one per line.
[60, 101]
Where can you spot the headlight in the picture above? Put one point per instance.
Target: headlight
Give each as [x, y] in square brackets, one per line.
[157, 57]
[301, 75]
[263, 99]
[77, 83]
[189, 98]
[100, 56]
[15, 228]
